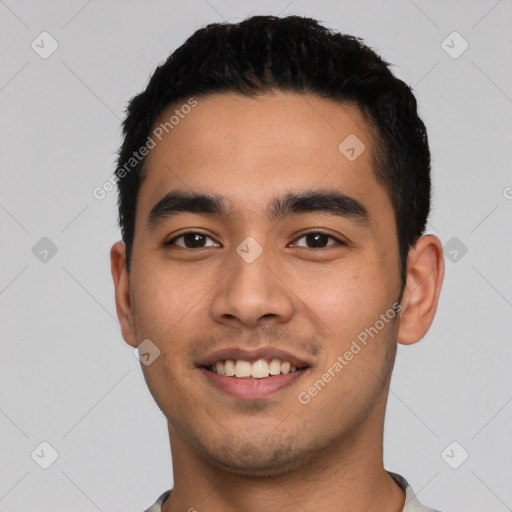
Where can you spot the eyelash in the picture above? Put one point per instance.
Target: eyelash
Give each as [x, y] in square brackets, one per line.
[338, 241]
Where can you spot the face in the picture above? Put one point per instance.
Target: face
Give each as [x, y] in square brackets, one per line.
[290, 259]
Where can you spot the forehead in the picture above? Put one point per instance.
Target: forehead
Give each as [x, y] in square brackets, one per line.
[253, 147]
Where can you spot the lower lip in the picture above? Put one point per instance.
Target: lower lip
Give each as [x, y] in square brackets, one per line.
[252, 389]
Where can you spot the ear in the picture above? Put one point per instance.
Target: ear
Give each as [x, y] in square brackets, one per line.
[425, 272]
[122, 291]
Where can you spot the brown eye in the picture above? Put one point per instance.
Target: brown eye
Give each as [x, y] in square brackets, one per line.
[191, 240]
[318, 240]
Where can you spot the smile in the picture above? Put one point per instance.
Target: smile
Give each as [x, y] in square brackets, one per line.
[256, 380]
[259, 369]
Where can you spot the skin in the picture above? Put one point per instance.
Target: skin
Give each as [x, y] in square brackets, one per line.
[272, 454]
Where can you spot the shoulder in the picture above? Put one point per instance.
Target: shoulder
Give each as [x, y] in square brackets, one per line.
[411, 502]
[157, 506]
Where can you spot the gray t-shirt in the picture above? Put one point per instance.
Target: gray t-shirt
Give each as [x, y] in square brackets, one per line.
[411, 502]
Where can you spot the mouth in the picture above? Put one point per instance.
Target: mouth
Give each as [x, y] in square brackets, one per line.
[259, 369]
[253, 378]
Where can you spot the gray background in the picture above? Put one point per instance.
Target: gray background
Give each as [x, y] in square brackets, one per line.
[66, 375]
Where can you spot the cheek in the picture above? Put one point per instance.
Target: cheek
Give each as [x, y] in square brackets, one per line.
[162, 300]
[166, 305]
[347, 299]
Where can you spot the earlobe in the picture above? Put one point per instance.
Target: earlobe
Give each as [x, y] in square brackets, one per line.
[122, 292]
[425, 272]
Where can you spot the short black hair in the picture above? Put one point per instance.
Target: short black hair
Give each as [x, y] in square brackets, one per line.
[264, 54]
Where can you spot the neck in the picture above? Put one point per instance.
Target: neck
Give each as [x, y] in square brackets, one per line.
[347, 475]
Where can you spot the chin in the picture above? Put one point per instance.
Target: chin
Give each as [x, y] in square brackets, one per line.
[259, 462]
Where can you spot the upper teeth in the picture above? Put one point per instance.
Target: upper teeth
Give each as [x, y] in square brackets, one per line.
[258, 369]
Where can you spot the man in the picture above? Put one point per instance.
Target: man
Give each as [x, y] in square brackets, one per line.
[274, 186]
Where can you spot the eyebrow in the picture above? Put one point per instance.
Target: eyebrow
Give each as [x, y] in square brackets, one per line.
[326, 201]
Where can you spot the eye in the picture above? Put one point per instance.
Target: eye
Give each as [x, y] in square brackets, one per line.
[191, 240]
[198, 240]
[318, 240]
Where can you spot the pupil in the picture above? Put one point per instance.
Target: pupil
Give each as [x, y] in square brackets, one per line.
[316, 239]
[191, 240]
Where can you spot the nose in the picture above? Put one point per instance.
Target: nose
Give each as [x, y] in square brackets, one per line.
[252, 293]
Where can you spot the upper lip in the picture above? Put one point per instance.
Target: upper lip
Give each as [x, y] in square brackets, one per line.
[251, 356]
